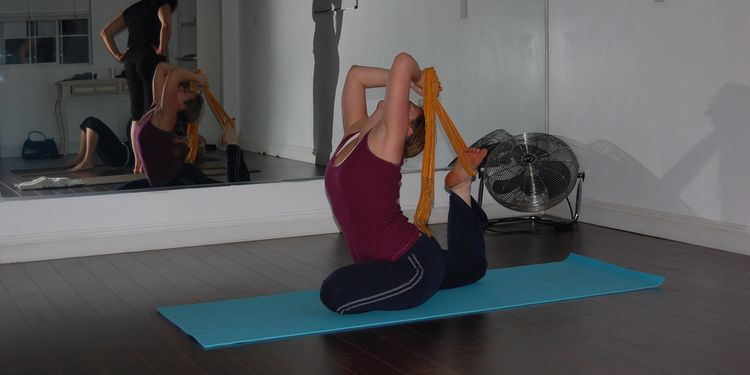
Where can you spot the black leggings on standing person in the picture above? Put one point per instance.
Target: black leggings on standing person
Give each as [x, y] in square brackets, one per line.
[140, 75]
[109, 148]
[423, 270]
[236, 171]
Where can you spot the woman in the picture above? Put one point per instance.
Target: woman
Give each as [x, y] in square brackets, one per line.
[149, 26]
[395, 266]
[157, 143]
[97, 138]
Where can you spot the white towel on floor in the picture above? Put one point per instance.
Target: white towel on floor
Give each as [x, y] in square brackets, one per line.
[49, 182]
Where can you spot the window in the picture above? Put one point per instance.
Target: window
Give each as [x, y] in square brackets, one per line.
[62, 41]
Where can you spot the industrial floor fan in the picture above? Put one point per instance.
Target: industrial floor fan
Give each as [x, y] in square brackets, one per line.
[530, 173]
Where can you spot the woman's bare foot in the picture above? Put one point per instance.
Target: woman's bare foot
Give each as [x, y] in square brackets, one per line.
[229, 136]
[78, 159]
[82, 166]
[458, 180]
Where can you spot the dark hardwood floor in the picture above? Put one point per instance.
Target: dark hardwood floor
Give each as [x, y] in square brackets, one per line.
[96, 315]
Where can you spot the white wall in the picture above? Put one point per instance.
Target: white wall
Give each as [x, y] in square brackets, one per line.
[656, 101]
[209, 36]
[491, 65]
[230, 49]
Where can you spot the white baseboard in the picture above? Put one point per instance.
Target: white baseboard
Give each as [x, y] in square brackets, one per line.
[299, 153]
[14, 150]
[718, 235]
[43, 229]
[140, 237]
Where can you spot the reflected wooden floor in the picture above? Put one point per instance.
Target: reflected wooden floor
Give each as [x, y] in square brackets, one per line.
[266, 168]
[96, 315]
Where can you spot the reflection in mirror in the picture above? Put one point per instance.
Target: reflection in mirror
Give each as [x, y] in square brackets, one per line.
[264, 59]
[328, 18]
[94, 109]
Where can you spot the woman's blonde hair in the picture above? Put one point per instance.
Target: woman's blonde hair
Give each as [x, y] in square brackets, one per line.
[415, 142]
[193, 107]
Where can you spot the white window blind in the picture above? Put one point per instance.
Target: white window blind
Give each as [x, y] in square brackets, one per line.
[39, 9]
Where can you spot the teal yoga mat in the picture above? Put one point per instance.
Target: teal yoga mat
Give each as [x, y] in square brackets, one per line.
[250, 320]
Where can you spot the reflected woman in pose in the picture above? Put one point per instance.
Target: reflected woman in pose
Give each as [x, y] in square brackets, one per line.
[156, 139]
[148, 23]
[395, 266]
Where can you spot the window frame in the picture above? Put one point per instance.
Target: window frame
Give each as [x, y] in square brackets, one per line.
[31, 23]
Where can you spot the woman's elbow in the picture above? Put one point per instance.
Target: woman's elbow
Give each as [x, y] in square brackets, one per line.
[354, 72]
[403, 58]
[354, 69]
[404, 63]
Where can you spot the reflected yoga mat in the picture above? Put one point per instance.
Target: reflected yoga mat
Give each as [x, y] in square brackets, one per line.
[250, 320]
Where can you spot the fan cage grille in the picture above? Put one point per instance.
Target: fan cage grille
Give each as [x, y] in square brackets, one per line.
[530, 172]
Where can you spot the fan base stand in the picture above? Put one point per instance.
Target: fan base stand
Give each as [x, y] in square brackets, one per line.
[534, 223]
[529, 224]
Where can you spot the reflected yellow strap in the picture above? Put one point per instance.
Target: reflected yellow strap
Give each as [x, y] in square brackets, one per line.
[221, 115]
[432, 107]
[193, 143]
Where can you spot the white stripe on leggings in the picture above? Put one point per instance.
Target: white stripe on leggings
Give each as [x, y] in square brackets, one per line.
[388, 293]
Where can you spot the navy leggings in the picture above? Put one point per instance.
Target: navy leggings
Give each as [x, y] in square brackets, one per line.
[192, 175]
[419, 273]
[109, 148]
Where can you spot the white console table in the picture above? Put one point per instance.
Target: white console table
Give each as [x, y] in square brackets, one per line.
[83, 87]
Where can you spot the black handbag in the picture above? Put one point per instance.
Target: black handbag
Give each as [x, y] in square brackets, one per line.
[44, 149]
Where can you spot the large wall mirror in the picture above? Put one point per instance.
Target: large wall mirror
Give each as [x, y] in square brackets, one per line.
[276, 66]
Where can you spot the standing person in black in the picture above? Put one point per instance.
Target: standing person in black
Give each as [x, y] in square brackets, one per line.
[149, 26]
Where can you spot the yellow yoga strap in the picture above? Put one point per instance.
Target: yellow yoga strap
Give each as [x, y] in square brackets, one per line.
[192, 130]
[431, 107]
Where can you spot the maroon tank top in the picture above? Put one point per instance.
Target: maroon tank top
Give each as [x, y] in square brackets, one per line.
[364, 196]
[159, 154]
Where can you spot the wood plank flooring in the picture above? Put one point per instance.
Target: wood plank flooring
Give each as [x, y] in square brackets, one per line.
[96, 315]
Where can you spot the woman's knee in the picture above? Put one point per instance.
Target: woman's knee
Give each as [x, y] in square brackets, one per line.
[478, 270]
[87, 123]
[331, 293]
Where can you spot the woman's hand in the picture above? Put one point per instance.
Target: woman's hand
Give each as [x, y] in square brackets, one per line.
[418, 86]
[159, 51]
[201, 79]
[120, 56]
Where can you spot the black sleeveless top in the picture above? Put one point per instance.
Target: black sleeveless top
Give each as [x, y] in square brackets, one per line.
[142, 19]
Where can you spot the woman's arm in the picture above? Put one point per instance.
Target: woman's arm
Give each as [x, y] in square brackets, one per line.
[114, 27]
[137, 166]
[167, 79]
[405, 74]
[165, 17]
[353, 98]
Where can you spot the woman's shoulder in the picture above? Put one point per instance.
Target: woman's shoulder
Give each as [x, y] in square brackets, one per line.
[144, 6]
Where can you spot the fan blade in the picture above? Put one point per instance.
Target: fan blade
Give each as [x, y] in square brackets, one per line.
[508, 185]
[555, 176]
